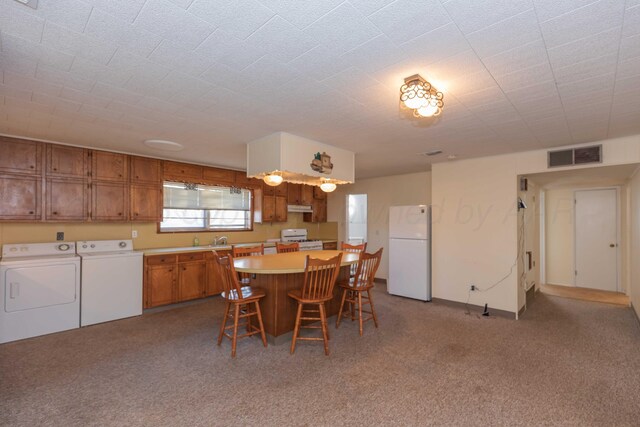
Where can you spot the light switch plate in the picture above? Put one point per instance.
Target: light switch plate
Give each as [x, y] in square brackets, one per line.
[134, 234]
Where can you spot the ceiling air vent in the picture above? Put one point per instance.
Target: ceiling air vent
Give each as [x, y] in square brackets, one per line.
[577, 156]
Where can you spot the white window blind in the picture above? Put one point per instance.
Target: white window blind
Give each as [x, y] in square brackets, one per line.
[191, 207]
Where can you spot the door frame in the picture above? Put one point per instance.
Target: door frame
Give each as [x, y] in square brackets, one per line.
[618, 232]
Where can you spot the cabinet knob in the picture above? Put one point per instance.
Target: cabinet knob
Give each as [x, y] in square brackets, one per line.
[55, 213]
[119, 175]
[136, 214]
[30, 212]
[32, 167]
[137, 177]
[119, 213]
[55, 169]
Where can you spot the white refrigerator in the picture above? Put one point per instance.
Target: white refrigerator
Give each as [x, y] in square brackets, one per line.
[410, 252]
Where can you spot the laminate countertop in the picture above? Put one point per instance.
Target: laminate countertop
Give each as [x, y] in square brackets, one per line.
[287, 263]
[186, 249]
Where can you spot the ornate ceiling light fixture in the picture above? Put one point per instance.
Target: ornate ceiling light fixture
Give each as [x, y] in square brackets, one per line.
[419, 95]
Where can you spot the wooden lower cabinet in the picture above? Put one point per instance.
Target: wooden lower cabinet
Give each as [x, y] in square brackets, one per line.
[159, 285]
[175, 278]
[213, 285]
[192, 272]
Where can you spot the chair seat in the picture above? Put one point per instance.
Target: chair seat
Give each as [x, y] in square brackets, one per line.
[351, 284]
[248, 293]
[297, 295]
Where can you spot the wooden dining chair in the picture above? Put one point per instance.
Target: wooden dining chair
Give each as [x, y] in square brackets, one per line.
[317, 288]
[245, 301]
[242, 251]
[354, 290]
[283, 248]
[353, 249]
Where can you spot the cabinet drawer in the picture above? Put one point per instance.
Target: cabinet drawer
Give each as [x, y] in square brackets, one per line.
[199, 256]
[160, 259]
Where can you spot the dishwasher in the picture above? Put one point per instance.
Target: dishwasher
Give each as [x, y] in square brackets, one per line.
[111, 281]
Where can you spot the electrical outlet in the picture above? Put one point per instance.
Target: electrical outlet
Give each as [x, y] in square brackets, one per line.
[60, 236]
[134, 234]
[473, 287]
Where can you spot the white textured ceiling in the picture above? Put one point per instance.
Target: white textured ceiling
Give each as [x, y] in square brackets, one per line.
[214, 75]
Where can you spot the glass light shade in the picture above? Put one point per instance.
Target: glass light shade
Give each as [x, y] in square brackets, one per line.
[428, 110]
[272, 180]
[327, 187]
[415, 103]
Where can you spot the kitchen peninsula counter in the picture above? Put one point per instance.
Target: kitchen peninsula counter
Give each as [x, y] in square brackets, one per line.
[278, 274]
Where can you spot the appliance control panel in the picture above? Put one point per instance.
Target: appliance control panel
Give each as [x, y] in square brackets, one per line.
[24, 250]
[100, 246]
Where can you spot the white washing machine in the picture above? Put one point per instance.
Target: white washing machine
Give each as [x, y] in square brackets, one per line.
[111, 281]
[40, 290]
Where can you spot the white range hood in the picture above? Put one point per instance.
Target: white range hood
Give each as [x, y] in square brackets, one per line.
[299, 160]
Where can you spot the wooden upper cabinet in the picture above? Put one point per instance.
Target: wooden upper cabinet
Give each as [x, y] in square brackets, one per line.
[146, 203]
[243, 181]
[67, 162]
[318, 193]
[109, 166]
[19, 156]
[294, 194]
[306, 195]
[282, 189]
[281, 209]
[319, 213]
[145, 171]
[20, 197]
[182, 172]
[66, 200]
[216, 176]
[109, 201]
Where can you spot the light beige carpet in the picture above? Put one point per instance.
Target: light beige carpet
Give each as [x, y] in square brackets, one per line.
[566, 362]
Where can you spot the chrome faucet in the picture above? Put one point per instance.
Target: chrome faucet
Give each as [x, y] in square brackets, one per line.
[222, 240]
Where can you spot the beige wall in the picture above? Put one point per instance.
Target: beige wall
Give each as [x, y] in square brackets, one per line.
[634, 222]
[409, 189]
[529, 236]
[475, 232]
[148, 237]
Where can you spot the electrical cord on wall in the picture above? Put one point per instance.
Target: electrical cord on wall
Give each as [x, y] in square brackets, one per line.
[515, 263]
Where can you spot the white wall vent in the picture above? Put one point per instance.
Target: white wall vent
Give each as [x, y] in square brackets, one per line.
[576, 156]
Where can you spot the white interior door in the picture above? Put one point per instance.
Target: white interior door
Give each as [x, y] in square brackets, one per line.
[596, 239]
[356, 219]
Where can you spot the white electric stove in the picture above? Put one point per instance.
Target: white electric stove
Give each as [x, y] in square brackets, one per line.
[289, 235]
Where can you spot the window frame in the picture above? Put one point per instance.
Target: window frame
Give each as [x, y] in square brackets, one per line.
[207, 216]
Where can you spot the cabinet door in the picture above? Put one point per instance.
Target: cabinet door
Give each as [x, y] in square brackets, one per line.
[20, 197]
[268, 190]
[68, 162]
[319, 213]
[182, 172]
[268, 208]
[281, 209]
[191, 280]
[20, 156]
[66, 200]
[282, 189]
[216, 176]
[160, 285]
[306, 195]
[109, 201]
[319, 194]
[145, 170]
[213, 285]
[243, 182]
[146, 203]
[294, 193]
[109, 166]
